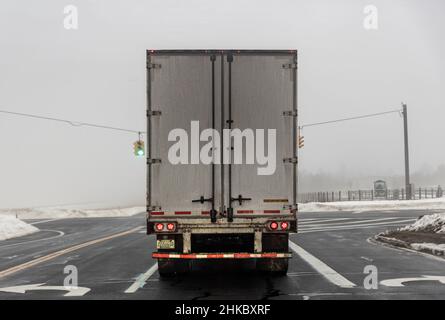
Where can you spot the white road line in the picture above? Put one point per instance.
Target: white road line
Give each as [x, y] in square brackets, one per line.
[315, 221]
[62, 252]
[340, 227]
[141, 280]
[326, 219]
[322, 224]
[60, 234]
[348, 228]
[330, 274]
[39, 222]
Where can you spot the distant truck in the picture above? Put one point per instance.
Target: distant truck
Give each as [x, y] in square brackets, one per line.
[380, 189]
[217, 209]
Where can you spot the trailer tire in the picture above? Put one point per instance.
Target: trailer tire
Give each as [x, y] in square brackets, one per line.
[172, 267]
[277, 266]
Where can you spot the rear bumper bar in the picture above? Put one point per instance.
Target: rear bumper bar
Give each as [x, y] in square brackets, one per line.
[159, 255]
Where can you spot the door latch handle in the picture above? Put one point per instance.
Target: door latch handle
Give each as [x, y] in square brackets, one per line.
[240, 199]
[202, 200]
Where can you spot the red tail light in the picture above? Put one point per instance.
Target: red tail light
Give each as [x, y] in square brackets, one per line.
[164, 227]
[278, 225]
[273, 225]
[170, 226]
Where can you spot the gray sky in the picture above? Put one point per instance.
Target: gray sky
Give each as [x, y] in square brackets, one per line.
[97, 74]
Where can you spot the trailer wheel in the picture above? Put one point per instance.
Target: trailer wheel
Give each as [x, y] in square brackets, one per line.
[173, 267]
[277, 266]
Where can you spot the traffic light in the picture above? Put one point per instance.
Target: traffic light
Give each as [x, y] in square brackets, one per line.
[300, 142]
[139, 148]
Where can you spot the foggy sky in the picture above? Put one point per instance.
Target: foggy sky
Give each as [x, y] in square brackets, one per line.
[97, 74]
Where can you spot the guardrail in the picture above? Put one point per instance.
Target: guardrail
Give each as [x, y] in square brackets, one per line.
[369, 195]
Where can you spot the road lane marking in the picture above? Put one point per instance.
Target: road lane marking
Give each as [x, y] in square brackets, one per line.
[348, 228]
[367, 259]
[72, 291]
[59, 253]
[60, 234]
[315, 221]
[142, 279]
[397, 283]
[333, 224]
[330, 274]
[358, 226]
[49, 220]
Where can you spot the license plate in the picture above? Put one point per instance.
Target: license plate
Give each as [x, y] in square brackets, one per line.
[165, 244]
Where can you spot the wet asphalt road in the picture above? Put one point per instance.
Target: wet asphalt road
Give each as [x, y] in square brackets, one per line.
[332, 251]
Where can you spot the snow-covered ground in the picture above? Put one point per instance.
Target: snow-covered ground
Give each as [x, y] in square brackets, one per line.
[425, 235]
[381, 205]
[428, 246]
[11, 227]
[353, 206]
[434, 223]
[60, 213]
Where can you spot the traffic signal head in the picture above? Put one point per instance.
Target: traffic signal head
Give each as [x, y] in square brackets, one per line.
[139, 149]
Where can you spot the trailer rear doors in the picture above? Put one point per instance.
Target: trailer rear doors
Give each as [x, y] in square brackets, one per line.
[245, 90]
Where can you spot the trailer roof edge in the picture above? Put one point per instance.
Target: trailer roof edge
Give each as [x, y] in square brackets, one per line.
[221, 51]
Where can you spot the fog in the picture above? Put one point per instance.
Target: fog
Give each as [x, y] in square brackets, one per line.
[97, 74]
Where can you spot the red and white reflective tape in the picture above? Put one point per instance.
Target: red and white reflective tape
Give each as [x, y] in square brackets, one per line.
[196, 213]
[157, 213]
[260, 211]
[159, 255]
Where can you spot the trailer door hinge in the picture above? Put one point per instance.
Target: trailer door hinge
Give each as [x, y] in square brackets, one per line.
[151, 113]
[153, 161]
[291, 207]
[153, 208]
[290, 160]
[290, 113]
[153, 65]
[290, 66]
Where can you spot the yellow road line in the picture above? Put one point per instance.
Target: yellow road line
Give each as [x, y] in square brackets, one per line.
[59, 253]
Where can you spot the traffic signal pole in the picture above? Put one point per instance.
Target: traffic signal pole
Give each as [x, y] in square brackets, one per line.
[405, 130]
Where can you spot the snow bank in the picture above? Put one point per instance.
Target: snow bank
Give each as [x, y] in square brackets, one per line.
[59, 213]
[428, 246]
[378, 205]
[429, 223]
[11, 227]
[431, 248]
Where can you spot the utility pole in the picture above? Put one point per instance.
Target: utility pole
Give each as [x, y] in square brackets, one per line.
[405, 130]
